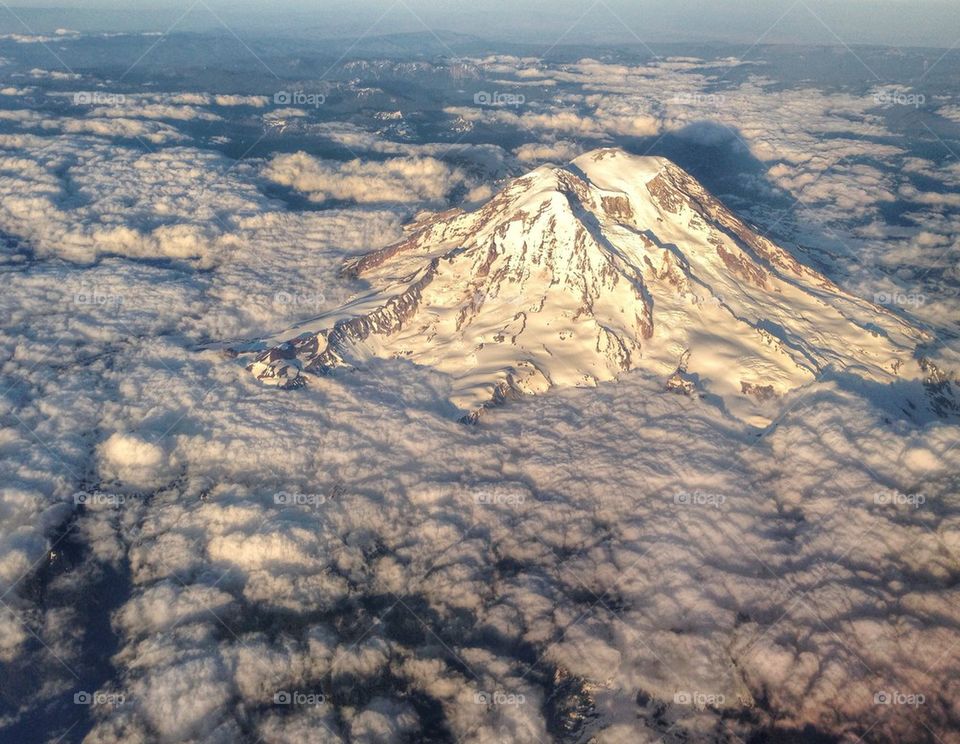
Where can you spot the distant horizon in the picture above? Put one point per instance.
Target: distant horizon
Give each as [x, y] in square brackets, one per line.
[566, 23]
[493, 41]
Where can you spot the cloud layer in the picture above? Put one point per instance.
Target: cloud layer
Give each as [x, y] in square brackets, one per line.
[218, 561]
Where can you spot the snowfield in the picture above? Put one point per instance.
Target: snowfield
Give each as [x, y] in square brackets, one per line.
[570, 276]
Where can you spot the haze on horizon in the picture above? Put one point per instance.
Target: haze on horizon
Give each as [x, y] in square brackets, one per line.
[930, 23]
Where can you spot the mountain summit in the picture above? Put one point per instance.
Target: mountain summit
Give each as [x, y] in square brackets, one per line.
[574, 275]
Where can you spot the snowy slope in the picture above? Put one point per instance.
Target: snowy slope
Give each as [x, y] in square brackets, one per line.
[574, 275]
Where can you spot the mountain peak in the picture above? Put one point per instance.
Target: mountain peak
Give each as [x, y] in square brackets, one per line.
[571, 275]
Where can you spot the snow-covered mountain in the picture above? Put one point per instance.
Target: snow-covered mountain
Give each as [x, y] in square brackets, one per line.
[576, 274]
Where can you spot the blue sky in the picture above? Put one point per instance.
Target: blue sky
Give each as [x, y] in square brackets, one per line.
[906, 22]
